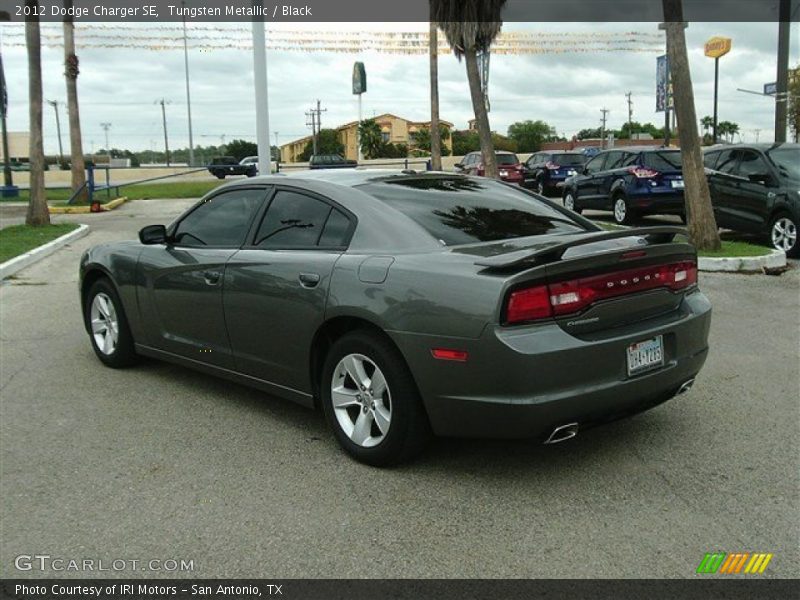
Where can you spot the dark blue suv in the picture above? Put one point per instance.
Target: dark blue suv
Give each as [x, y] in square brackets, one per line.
[544, 171]
[630, 182]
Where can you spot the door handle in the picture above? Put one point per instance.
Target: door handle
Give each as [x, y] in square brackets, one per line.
[308, 280]
[212, 277]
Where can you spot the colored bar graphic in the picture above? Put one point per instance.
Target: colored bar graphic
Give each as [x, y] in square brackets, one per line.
[711, 562]
[734, 563]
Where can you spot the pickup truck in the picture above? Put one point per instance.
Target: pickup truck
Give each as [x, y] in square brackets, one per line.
[330, 161]
[221, 166]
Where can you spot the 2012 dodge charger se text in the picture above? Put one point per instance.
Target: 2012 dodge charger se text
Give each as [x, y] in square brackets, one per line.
[405, 304]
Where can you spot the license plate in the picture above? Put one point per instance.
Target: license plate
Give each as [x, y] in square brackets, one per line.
[571, 173]
[646, 355]
[677, 183]
[503, 173]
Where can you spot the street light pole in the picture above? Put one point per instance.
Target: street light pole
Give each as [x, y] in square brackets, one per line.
[54, 104]
[262, 96]
[782, 80]
[106, 127]
[188, 96]
[163, 104]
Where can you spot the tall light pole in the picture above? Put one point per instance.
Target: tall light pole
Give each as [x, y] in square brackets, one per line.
[54, 104]
[782, 98]
[188, 96]
[261, 93]
[106, 126]
[163, 104]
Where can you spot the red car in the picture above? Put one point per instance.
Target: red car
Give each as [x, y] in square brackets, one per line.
[508, 165]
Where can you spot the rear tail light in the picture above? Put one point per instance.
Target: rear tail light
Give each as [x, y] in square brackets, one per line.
[552, 166]
[642, 173]
[568, 297]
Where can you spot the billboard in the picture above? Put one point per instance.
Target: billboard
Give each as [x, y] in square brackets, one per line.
[359, 78]
[717, 46]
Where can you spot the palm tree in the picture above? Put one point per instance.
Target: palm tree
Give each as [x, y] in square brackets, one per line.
[707, 123]
[436, 142]
[471, 26]
[71, 76]
[369, 134]
[37, 205]
[700, 216]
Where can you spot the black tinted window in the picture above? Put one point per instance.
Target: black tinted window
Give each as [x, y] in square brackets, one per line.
[751, 163]
[292, 221]
[336, 229]
[568, 160]
[668, 160]
[614, 160]
[710, 160]
[596, 164]
[727, 161]
[457, 210]
[219, 221]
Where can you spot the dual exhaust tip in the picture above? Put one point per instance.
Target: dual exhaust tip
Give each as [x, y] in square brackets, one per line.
[562, 433]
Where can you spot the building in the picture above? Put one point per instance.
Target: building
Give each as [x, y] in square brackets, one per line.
[394, 129]
[18, 146]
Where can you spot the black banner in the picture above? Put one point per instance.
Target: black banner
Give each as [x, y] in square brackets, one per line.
[362, 589]
[121, 11]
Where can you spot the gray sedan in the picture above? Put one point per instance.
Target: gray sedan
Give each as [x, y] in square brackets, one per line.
[407, 304]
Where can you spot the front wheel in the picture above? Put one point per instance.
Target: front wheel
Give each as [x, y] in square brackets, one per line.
[108, 326]
[783, 234]
[371, 402]
[569, 203]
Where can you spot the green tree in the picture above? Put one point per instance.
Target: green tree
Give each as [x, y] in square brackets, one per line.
[424, 140]
[529, 135]
[707, 123]
[470, 27]
[239, 149]
[587, 134]
[465, 142]
[328, 142]
[369, 133]
[728, 130]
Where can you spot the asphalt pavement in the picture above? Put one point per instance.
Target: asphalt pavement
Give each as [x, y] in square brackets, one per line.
[161, 462]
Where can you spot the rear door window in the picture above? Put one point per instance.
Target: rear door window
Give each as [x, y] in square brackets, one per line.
[751, 163]
[614, 160]
[465, 211]
[292, 220]
[596, 164]
[727, 162]
[710, 160]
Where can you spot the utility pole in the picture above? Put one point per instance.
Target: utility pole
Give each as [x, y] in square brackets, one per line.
[605, 112]
[630, 115]
[163, 104]
[782, 80]
[261, 91]
[54, 104]
[188, 97]
[313, 124]
[106, 127]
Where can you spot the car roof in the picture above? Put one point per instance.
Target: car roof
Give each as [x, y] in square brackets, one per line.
[763, 146]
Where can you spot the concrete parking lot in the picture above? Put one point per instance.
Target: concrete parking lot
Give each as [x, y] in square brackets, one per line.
[160, 462]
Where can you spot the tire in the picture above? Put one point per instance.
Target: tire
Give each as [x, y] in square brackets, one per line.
[570, 202]
[783, 234]
[623, 215]
[540, 186]
[220, 175]
[377, 428]
[108, 326]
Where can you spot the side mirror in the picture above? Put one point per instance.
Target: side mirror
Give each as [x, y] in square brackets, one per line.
[458, 165]
[762, 178]
[153, 234]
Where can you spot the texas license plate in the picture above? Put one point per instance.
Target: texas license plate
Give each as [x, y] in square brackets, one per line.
[646, 355]
[677, 183]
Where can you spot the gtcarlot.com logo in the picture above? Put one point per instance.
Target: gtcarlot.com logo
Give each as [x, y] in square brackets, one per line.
[734, 563]
[45, 562]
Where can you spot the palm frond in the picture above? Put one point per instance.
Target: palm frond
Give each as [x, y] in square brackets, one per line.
[468, 24]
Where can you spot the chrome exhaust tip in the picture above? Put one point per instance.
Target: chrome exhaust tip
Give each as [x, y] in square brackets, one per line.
[563, 433]
[685, 387]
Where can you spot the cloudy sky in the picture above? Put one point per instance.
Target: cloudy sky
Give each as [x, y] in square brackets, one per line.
[121, 85]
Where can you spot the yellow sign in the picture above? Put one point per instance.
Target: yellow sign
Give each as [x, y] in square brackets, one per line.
[717, 46]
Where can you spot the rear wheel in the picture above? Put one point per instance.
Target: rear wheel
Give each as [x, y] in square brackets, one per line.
[569, 202]
[783, 234]
[371, 402]
[108, 327]
[623, 215]
[220, 175]
[540, 186]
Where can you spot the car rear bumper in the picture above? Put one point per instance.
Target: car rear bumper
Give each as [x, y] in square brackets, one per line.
[658, 200]
[523, 382]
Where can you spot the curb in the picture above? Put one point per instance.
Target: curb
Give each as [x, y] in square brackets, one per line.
[776, 259]
[12, 266]
[82, 210]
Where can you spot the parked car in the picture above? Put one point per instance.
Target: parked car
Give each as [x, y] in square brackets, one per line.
[222, 166]
[509, 166]
[407, 303]
[755, 188]
[544, 171]
[330, 161]
[630, 182]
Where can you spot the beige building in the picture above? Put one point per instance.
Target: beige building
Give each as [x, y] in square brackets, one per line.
[17, 146]
[394, 129]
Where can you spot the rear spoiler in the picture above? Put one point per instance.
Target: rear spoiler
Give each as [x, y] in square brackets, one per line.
[555, 251]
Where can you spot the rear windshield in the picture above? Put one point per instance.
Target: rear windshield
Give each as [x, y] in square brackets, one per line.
[459, 210]
[507, 159]
[569, 160]
[667, 160]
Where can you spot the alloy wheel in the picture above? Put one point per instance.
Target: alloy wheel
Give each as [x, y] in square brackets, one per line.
[540, 187]
[784, 234]
[105, 324]
[361, 400]
[620, 210]
[569, 201]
